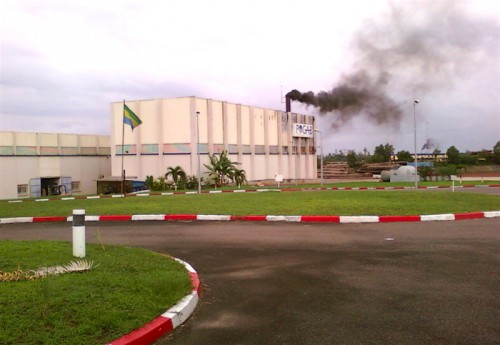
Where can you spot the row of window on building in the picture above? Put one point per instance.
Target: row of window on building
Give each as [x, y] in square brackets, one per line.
[53, 151]
[185, 148]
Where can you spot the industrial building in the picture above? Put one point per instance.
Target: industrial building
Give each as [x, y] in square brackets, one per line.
[184, 131]
[174, 132]
[42, 164]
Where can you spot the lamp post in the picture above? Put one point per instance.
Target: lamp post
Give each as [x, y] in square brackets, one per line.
[198, 149]
[415, 102]
[321, 153]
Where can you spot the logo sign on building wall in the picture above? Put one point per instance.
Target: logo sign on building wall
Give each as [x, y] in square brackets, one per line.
[302, 130]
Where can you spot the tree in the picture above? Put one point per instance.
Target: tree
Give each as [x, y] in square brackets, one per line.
[425, 172]
[496, 153]
[468, 159]
[404, 156]
[239, 177]
[157, 185]
[192, 182]
[351, 159]
[485, 157]
[445, 171]
[453, 155]
[436, 152]
[383, 153]
[178, 175]
[220, 168]
[337, 156]
[149, 182]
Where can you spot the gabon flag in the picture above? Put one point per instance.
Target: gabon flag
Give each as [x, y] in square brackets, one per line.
[130, 118]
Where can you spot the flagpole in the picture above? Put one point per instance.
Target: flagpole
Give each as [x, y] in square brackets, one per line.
[123, 149]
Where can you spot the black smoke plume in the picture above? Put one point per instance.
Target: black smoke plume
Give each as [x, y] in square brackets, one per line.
[358, 94]
[416, 48]
[429, 145]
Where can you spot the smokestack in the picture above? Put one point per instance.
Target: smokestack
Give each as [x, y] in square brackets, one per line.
[288, 104]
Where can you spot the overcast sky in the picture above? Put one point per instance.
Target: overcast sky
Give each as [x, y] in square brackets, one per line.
[63, 63]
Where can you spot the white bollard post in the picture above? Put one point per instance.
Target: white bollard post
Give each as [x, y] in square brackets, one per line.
[79, 233]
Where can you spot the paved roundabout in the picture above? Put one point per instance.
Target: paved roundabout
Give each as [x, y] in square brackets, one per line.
[323, 283]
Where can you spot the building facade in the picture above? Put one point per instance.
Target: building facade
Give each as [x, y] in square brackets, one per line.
[184, 131]
[41, 164]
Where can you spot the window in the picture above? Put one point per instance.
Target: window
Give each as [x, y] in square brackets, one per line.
[181, 148]
[149, 149]
[260, 149]
[295, 142]
[75, 186]
[233, 148]
[120, 150]
[22, 190]
[218, 148]
[245, 149]
[90, 151]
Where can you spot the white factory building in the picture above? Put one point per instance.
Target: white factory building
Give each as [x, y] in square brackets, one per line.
[174, 132]
[41, 164]
[184, 131]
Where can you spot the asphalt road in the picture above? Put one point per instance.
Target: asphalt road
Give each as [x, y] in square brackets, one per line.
[298, 283]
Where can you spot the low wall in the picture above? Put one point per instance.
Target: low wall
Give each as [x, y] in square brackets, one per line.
[483, 169]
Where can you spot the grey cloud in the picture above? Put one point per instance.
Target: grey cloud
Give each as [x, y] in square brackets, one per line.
[418, 48]
[38, 96]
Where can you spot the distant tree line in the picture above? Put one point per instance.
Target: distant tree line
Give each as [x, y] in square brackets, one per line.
[456, 162]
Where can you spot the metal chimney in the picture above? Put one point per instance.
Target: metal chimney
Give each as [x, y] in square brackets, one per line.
[288, 104]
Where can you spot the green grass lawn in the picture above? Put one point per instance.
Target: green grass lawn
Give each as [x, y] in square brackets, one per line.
[328, 184]
[127, 289]
[362, 183]
[376, 183]
[268, 203]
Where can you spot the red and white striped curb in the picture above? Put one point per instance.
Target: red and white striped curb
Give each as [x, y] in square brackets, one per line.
[167, 321]
[265, 218]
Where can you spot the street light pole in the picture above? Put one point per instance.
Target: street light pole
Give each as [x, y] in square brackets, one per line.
[198, 149]
[415, 141]
[321, 153]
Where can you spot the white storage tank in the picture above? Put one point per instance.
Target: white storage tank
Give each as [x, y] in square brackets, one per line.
[404, 173]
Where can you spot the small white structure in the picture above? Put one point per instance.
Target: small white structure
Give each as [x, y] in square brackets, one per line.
[404, 173]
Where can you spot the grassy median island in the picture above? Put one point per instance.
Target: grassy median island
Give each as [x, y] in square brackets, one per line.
[128, 288]
[351, 203]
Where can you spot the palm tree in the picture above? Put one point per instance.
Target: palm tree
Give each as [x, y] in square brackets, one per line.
[150, 182]
[220, 167]
[177, 173]
[213, 169]
[238, 176]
